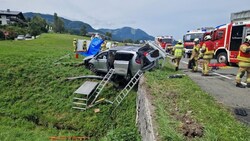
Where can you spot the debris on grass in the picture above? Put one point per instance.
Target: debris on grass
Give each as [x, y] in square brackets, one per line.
[176, 75]
[97, 110]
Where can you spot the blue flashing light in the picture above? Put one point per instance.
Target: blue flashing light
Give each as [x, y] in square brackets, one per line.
[220, 26]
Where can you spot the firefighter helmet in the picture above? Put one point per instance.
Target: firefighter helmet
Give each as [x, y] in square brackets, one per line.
[179, 42]
[208, 37]
[196, 40]
[247, 39]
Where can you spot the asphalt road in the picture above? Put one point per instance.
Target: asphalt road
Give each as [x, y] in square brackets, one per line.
[221, 85]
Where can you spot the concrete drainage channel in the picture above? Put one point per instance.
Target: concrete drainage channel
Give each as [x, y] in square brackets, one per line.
[145, 110]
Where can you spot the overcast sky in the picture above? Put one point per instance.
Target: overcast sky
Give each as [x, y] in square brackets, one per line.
[156, 17]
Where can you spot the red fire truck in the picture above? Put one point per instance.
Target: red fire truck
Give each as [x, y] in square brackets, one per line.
[227, 38]
[188, 38]
[164, 41]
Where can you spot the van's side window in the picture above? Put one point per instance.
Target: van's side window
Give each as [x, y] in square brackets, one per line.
[102, 56]
[123, 56]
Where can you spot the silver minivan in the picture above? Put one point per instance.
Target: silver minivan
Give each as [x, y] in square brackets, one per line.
[126, 60]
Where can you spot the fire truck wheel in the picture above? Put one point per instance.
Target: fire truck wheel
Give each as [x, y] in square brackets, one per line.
[222, 58]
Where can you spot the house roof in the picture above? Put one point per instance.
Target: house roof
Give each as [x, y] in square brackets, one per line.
[8, 12]
[12, 13]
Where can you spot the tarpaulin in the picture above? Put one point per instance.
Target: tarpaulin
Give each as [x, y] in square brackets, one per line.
[94, 47]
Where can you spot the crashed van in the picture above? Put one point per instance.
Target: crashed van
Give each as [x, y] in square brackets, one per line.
[125, 60]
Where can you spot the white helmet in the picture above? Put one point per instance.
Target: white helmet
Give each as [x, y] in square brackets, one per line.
[247, 38]
[179, 42]
[196, 40]
[208, 37]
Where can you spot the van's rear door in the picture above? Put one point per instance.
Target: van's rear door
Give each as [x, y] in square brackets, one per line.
[121, 63]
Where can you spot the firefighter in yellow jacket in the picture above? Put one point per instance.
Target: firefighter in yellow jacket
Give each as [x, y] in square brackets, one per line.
[84, 46]
[207, 52]
[244, 63]
[75, 44]
[178, 53]
[195, 54]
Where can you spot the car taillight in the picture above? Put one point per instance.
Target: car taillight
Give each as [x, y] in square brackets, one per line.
[145, 54]
[138, 61]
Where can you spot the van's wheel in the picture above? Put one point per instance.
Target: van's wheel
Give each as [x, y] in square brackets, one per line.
[92, 68]
[222, 58]
[129, 76]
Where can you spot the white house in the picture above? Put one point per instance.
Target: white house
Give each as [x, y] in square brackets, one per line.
[9, 17]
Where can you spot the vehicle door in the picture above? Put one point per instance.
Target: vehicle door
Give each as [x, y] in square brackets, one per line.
[101, 62]
[121, 62]
[246, 32]
[219, 38]
[148, 55]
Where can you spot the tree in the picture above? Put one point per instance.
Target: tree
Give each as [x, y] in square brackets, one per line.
[83, 30]
[128, 41]
[137, 42]
[37, 25]
[2, 36]
[58, 24]
[109, 35]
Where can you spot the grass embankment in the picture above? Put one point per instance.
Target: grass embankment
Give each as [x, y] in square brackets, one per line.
[36, 102]
[183, 111]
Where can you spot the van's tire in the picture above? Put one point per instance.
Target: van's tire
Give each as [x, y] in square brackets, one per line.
[222, 58]
[129, 76]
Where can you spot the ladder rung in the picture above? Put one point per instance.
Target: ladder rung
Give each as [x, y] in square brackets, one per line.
[117, 101]
[124, 95]
[79, 98]
[79, 108]
[120, 98]
[79, 103]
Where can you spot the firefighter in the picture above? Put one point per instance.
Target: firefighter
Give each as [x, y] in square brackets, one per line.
[244, 63]
[195, 54]
[178, 53]
[207, 52]
[103, 46]
[75, 44]
[84, 46]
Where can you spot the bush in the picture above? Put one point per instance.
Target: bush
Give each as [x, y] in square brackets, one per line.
[2, 37]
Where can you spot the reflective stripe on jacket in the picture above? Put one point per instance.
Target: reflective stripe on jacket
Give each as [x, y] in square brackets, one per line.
[243, 56]
[208, 46]
[178, 50]
[195, 51]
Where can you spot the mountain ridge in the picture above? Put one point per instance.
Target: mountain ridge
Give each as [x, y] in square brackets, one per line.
[119, 34]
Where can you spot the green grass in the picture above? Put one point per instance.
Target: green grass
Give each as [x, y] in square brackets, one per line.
[175, 97]
[36, 101]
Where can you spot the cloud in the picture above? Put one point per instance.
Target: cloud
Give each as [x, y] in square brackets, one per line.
[156, 17]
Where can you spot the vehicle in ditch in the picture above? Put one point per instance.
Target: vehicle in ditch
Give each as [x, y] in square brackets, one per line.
[125, 60]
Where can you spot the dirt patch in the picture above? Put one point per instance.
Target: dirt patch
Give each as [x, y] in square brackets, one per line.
[189, 127]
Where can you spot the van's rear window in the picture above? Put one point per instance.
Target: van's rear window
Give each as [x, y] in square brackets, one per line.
[123, 56]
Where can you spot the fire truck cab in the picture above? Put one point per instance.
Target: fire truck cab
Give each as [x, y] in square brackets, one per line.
[164, 41]
[188, 38]
[227, 38]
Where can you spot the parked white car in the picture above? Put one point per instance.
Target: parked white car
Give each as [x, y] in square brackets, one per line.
[20, 37]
